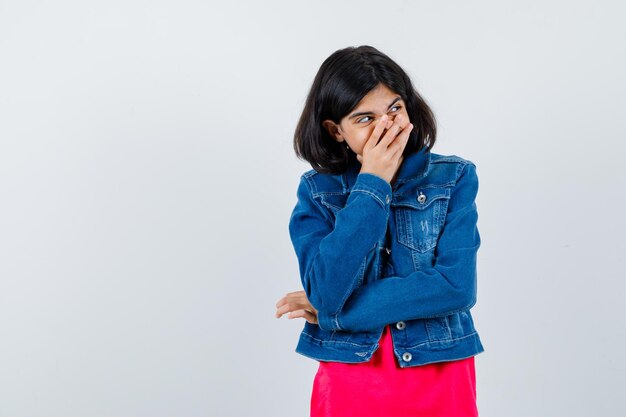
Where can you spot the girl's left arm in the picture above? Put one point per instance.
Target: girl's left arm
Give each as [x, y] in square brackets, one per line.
[446, 288]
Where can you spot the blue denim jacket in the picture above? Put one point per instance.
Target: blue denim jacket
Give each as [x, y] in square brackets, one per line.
[371, 254]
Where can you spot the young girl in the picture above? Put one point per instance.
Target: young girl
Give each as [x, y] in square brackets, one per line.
[386, 238]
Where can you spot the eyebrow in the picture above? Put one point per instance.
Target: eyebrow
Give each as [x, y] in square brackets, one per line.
[362, 113]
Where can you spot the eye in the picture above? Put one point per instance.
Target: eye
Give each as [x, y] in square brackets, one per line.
[398, 107]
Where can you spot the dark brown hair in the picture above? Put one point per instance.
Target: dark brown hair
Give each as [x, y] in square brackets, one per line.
[343, 79]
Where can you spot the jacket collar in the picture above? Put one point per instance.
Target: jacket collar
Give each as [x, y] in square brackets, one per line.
[414, 166]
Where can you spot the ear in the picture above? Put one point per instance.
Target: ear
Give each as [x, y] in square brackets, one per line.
[333, 129]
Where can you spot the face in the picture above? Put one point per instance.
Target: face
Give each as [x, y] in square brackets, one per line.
[357, 126]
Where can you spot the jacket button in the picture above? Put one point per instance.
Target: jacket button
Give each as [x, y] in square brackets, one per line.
[406, 356]
[388, 199]
[400, 325]
[421, 198]
[388, 251]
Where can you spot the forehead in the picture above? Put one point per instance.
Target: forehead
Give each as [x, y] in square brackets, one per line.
[378, 98]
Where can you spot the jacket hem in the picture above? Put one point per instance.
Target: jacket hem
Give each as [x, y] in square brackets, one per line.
[347, 352]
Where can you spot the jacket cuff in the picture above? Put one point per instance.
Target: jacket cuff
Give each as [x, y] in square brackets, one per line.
[375, 186]
[327, 322]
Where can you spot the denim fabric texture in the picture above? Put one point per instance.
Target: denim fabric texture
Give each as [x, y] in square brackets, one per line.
[372, 254]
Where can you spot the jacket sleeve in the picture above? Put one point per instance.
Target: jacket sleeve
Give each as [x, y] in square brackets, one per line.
[330, 256]
[449, 286]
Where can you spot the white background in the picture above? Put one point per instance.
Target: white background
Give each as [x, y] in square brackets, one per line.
[147, 177]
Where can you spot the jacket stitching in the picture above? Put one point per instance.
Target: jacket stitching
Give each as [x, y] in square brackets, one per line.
[382, 204]
[404, 347]
[321, 193]
[444, 341]
[311, 186]
[349, 292]
[333, 341]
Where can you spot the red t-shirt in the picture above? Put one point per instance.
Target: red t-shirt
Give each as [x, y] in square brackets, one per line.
[380, 388]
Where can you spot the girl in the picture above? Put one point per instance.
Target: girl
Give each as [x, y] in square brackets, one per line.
[386, 239]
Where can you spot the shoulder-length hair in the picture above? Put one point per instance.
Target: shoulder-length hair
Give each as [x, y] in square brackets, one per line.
[343, 79]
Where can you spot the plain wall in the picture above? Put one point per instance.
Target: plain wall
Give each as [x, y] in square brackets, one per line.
[147, 177]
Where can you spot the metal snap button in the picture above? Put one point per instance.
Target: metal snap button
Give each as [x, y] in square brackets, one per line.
[388, 199]
[421, 198]
[388, 251]
[406, 356]
[400, 325]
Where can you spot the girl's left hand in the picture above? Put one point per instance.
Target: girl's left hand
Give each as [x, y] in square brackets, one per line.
[297, 305]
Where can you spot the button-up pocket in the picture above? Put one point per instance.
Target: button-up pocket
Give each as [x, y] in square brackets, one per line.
[420, 215]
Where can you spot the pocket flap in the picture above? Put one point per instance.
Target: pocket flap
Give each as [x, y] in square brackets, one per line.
[412, 199]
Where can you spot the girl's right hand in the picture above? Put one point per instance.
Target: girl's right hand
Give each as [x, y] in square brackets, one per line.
[384, 158]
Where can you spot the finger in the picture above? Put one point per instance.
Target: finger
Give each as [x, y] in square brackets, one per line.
[392, 132]
[292, 305]
[307, 315]
[378, 129]
[290, 295]
[285, 309]
[402, 139]
[297, 313]
[282, 301]
[311, 318]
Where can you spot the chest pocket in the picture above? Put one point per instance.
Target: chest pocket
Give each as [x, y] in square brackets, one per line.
[420, 215]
